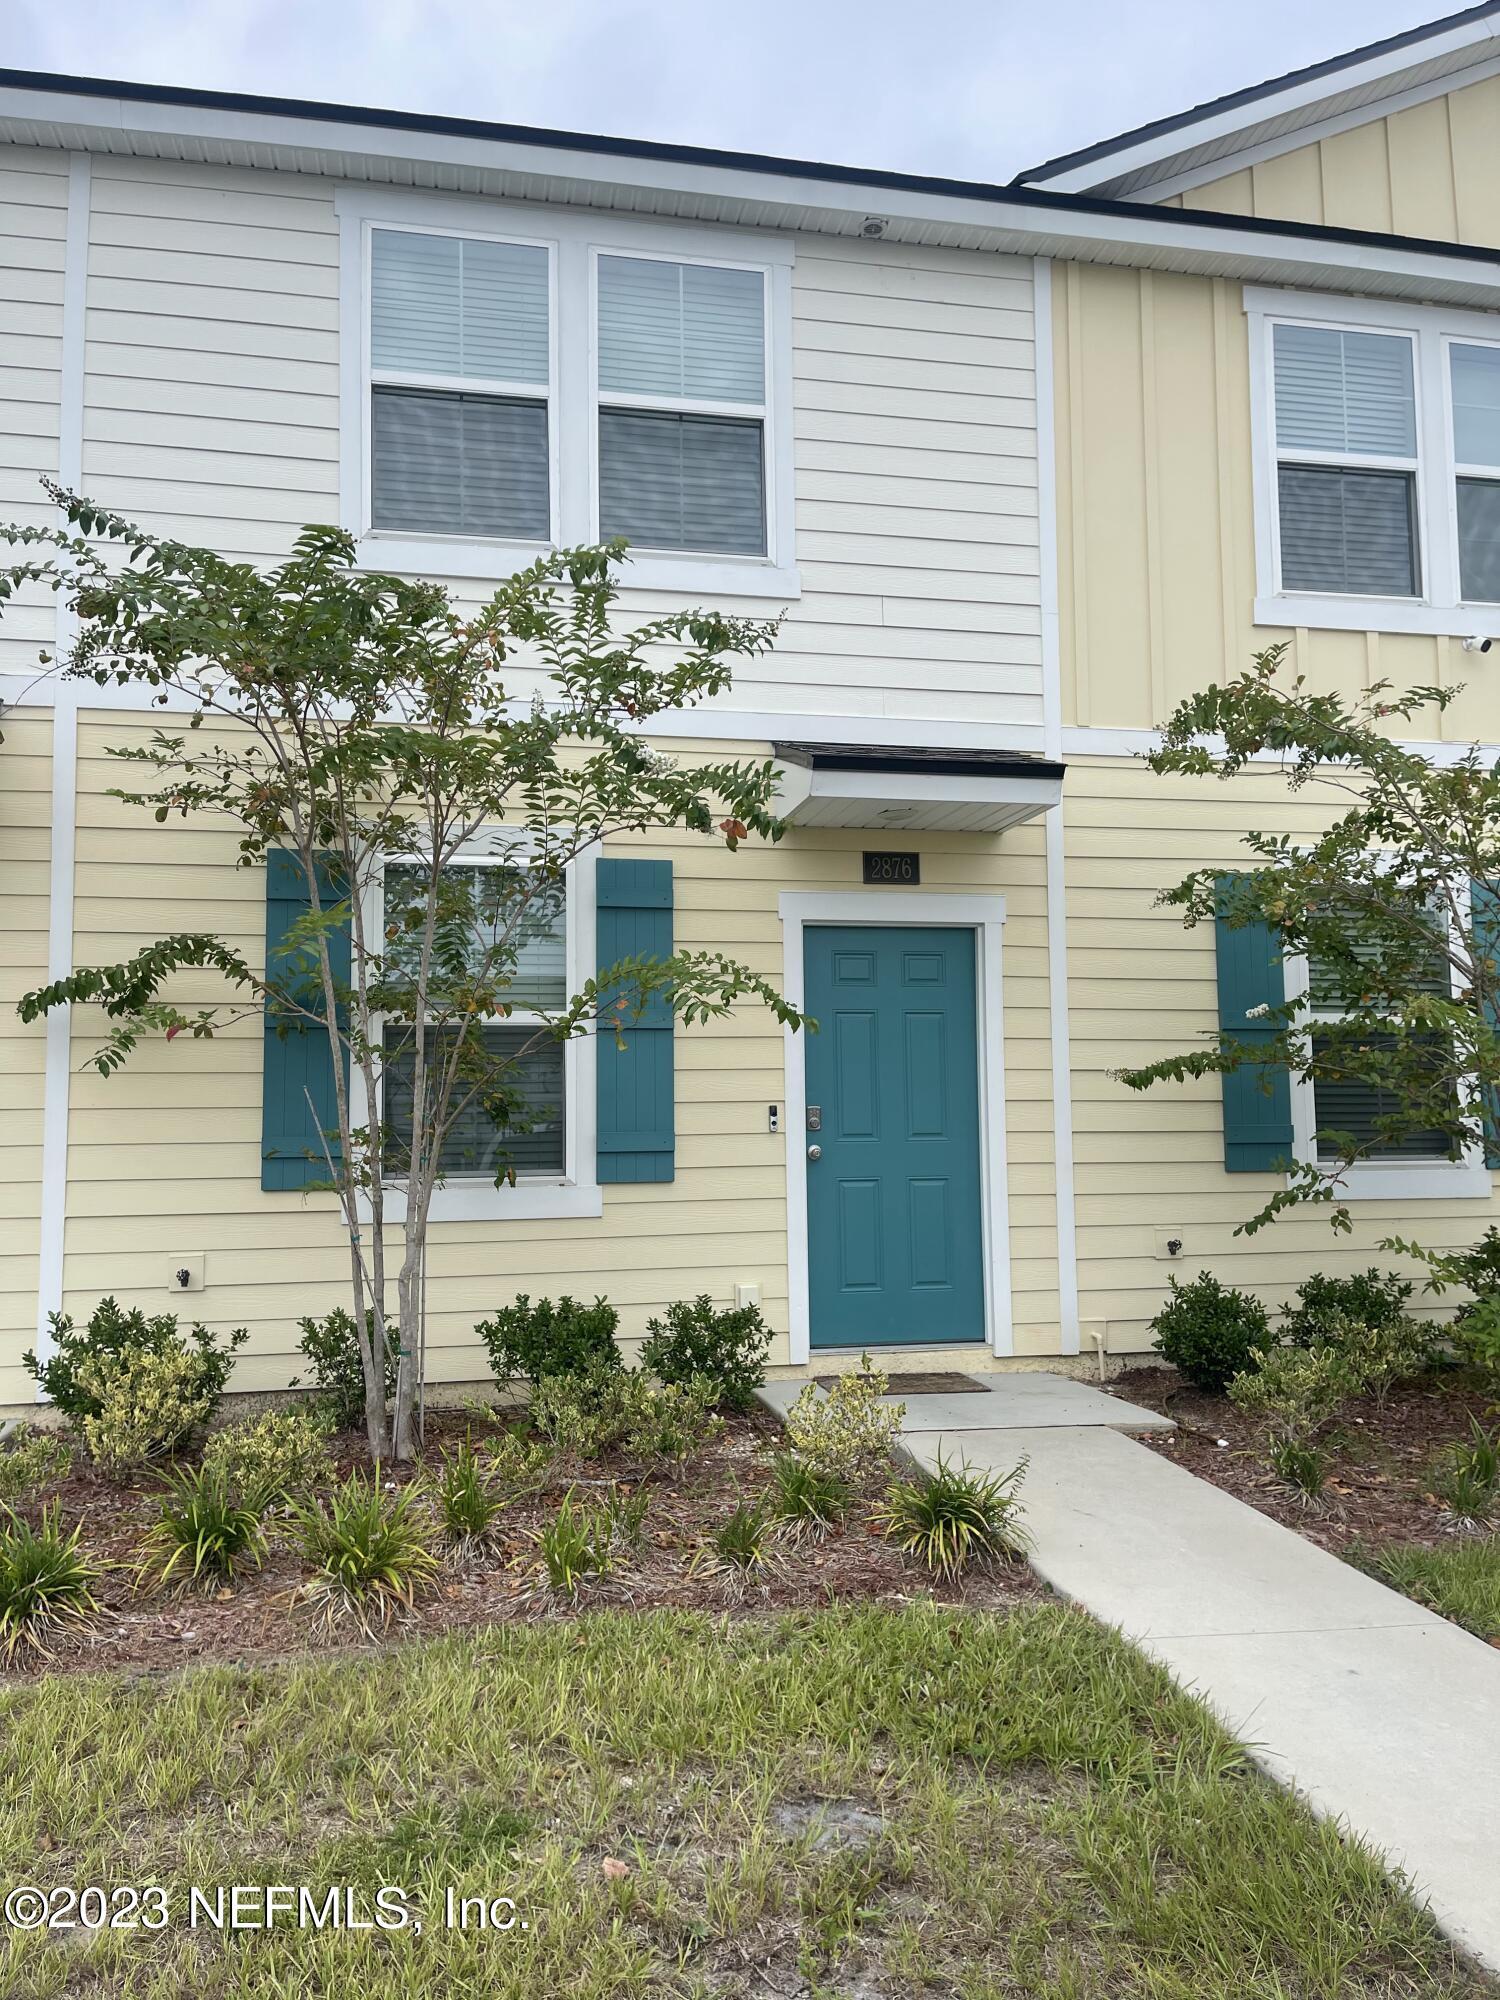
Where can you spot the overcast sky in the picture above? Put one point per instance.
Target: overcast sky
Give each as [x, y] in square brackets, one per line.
[974, 88]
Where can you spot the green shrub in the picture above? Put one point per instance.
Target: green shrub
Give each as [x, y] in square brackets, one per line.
[527, 1342]
[32, 1459]
[805, 1499]
[369, 1551]
[1302, 1464]
[204, 1533]
[73, 1375]
[1466, 1477]
[519, 1464]
[1476, 1334]
[331, 1346]
[274, 1457]
[1209, 1332]
[1296, 1391]
[573, 1548]
[1476, 1269]
[1375, 1358]
[1325, 1305]
[46, 1581]
[604, 1408]
[151, 1402]
[956, 1517]
[697, 1341]
[468, 1501]
[849, 1432]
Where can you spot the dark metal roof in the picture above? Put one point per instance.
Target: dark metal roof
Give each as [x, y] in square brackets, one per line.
[1039, 199]
[909, 759]
[1159, 127]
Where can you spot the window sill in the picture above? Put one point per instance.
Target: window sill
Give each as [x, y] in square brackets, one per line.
[494, 562]
[1416, 1180]
[529, 1201]
[1380, 614]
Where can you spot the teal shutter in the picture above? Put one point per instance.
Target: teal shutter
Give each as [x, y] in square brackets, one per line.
[637, 1125]
[297, 1101]
[1484, 906]
[1257, 1099]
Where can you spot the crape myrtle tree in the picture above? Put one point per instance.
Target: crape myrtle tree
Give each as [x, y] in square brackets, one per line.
[361, 724]
[1392, 905]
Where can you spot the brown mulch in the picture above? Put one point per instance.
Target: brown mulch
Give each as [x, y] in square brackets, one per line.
[1377, 1490]
[256, 1619]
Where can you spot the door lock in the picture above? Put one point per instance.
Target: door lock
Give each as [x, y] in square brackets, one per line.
[815, 1152]
[814, 1117]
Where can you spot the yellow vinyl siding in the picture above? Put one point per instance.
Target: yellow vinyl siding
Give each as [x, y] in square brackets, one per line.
[1156, 530]
[25, 847]
[1429, 170]
[1142, 986]
[164, 1156]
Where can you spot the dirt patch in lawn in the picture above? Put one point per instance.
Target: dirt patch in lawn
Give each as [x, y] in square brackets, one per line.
[259, 1617]
[1379, 1460]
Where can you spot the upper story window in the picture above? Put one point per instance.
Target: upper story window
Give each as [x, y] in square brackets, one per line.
[460, 386]
[1377, 465]
[516, 377]
[682, 391]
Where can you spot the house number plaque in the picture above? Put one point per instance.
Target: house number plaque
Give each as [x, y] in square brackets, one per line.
[905, 869]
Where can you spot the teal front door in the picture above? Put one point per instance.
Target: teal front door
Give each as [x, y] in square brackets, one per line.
[894, 1242]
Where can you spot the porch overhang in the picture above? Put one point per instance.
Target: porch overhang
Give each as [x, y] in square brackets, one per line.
[893, 788]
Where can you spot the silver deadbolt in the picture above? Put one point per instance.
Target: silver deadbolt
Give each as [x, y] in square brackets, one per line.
[814, 1117]
[815, 1152]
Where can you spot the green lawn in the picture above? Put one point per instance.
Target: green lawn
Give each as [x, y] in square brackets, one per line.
[1462, 1580]
[876, 1803]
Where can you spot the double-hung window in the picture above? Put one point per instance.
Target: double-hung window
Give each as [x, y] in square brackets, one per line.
[1377, 470]
[1419, 1162]
[460, 386]
[682, 405]
[496, 909]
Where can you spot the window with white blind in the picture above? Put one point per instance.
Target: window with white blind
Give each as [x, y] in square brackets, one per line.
[499, 907]
[682, 405]
[1377, 474]
[460, 386]
[1417, 1165]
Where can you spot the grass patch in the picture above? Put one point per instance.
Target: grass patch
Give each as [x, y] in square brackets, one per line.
[1460, 1581]
[916, 1801]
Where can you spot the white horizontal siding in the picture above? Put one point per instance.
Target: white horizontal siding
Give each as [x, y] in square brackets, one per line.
[33, 230]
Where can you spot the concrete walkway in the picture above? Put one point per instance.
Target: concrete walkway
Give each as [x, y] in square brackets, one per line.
[1383, 1716]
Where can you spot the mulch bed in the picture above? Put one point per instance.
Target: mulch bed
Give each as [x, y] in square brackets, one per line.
[1377, 1491]
[256, 1620]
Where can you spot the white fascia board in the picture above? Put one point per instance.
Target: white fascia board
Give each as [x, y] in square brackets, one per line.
[786, 201]
[800, 785]
[1279, 104]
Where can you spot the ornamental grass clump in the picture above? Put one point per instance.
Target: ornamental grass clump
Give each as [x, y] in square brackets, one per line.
[370, 1552]
[806, 1501]
[204, 1535]
[850, 1432]
[739, 1551]
[957, 1517]
[47, 1582]
[574, 1548]
[1466, 1479]
[469, 1503]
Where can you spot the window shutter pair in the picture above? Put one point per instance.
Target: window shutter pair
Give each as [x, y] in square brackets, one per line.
[1257, 1120]
[636, 1124]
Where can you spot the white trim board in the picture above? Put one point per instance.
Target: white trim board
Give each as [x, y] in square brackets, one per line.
[52, 1219]
[985, 915]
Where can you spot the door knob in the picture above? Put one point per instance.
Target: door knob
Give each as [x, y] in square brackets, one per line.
[815, 1152]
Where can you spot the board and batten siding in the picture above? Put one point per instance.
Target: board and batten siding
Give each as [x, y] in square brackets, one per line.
[1156, 527]
[211, 413]
[1142, 986]
[164, 1156]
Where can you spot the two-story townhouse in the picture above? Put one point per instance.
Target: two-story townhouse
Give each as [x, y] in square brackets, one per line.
[1003, 455]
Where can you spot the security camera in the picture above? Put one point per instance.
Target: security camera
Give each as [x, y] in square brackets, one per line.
[1477, 645]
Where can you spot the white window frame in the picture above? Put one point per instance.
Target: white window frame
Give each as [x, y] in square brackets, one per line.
[1440, 608]
[1462, 468]
[402, 545]
[1464, 1179]
[574, 240]
[576, 1191]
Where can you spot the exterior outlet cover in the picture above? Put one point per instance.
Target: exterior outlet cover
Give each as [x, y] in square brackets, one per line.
[1170, 1244]
[190, 1268]
[747, 1295]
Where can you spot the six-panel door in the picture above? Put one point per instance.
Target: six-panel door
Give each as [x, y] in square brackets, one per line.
[894, 1240]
